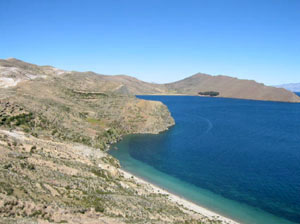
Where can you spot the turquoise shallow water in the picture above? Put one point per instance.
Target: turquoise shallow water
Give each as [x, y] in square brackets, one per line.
[239, 158]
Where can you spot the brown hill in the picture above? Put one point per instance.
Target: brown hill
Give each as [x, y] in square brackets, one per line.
[232, 88]
[227, 87]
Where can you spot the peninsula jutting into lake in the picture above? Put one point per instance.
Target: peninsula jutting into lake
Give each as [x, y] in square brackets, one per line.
[218, 158]
[150, 112]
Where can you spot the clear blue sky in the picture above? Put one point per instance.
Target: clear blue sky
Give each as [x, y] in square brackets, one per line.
[157, 40]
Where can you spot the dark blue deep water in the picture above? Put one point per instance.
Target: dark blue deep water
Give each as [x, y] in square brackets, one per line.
[245, 151]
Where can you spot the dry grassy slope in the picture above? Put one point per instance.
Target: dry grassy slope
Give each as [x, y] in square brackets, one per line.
[73, 106]
[232, 88]
[44, 181]
[137, 87]
[14, 71]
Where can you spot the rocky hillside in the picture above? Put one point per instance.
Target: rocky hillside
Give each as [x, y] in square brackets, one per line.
[13, 71]
[73, 106]
[45, 181]
[55, 126]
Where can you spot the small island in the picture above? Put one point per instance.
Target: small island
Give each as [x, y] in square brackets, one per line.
[209, 93]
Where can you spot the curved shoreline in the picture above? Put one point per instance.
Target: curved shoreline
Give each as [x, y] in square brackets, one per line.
[180, 201]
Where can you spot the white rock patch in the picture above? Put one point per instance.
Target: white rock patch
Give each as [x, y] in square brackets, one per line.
[8, 82]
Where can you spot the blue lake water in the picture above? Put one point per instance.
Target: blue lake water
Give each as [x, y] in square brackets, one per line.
[240, 158]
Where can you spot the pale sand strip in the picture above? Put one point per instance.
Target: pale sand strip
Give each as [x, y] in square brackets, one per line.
[181, 201]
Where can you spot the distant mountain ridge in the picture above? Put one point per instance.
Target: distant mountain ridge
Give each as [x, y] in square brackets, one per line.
[14, 71]
[294, 87]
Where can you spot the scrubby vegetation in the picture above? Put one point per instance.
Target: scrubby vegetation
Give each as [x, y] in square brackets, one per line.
[60, 183]
[209, 93]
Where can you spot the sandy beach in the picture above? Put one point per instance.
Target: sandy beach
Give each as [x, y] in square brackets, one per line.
[181, 201]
